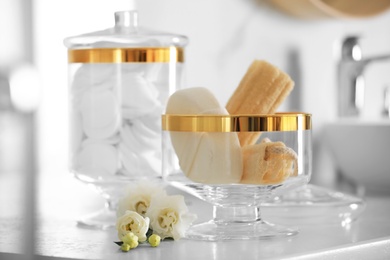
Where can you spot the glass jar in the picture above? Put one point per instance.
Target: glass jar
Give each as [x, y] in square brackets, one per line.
[119, 81]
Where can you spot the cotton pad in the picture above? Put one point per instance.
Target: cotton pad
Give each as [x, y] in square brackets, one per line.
[100, 113]
[147, 164]
[139, 137]
[97, 159]
[139, 96]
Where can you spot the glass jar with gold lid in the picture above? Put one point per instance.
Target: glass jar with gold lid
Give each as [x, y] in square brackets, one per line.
[119, 81]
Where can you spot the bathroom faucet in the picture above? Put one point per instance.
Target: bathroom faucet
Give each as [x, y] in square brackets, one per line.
[351, 79]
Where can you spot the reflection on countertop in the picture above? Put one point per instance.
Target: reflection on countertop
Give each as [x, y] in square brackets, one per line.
[62, 199]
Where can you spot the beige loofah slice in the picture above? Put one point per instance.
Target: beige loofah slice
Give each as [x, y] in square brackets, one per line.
[261, 91]
[268, 163]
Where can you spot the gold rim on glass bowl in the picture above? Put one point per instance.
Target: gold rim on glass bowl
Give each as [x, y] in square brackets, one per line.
[122, 55]
[237, 123]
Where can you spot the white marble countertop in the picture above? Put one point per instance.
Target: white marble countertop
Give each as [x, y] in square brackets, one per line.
[62, 199]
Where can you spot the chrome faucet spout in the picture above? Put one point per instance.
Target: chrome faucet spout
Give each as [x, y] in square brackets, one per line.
[378, 58]
[351, 85]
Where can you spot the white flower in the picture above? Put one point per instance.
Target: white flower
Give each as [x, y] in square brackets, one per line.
[133, 222]
[137, 197]
[169, 216]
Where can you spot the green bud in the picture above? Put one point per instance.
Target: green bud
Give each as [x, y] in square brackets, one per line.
[154, 240]
[133, 244]
[130, 239]
[125, 247]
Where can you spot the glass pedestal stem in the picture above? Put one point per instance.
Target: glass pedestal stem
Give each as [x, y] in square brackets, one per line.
[239, 214]
[102, 219]
[111, 205]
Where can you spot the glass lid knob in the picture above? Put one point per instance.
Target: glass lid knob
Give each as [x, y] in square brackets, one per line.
[126, 20]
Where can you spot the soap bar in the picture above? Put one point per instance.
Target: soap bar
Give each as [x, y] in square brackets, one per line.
[204, 157]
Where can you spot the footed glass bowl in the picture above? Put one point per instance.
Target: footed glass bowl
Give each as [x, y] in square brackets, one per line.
[236, 163]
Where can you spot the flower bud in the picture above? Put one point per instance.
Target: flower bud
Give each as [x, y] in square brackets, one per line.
[130, 239]
[125, 247]
[154, 240]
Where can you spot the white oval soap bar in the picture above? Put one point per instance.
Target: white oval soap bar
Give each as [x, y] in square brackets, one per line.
[205, 157]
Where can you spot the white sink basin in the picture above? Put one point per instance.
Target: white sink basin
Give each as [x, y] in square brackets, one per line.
[361, 150]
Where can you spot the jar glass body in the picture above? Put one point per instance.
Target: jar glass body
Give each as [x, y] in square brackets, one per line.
[115, 118]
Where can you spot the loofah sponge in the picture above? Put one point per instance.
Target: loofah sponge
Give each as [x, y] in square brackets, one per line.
[268, 163]
[261, 91]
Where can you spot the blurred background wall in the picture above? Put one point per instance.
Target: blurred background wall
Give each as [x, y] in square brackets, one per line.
[225, 37]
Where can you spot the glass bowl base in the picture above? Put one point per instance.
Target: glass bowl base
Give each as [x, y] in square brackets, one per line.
[312, 205]
[237, 222]
[214, 231]
[103, 219]
[236, 209]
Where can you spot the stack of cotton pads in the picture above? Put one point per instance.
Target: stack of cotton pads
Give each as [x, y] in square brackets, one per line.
[115, 121]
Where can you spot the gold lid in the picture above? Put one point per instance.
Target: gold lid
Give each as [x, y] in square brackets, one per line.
[122, 55]
[237, 123]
